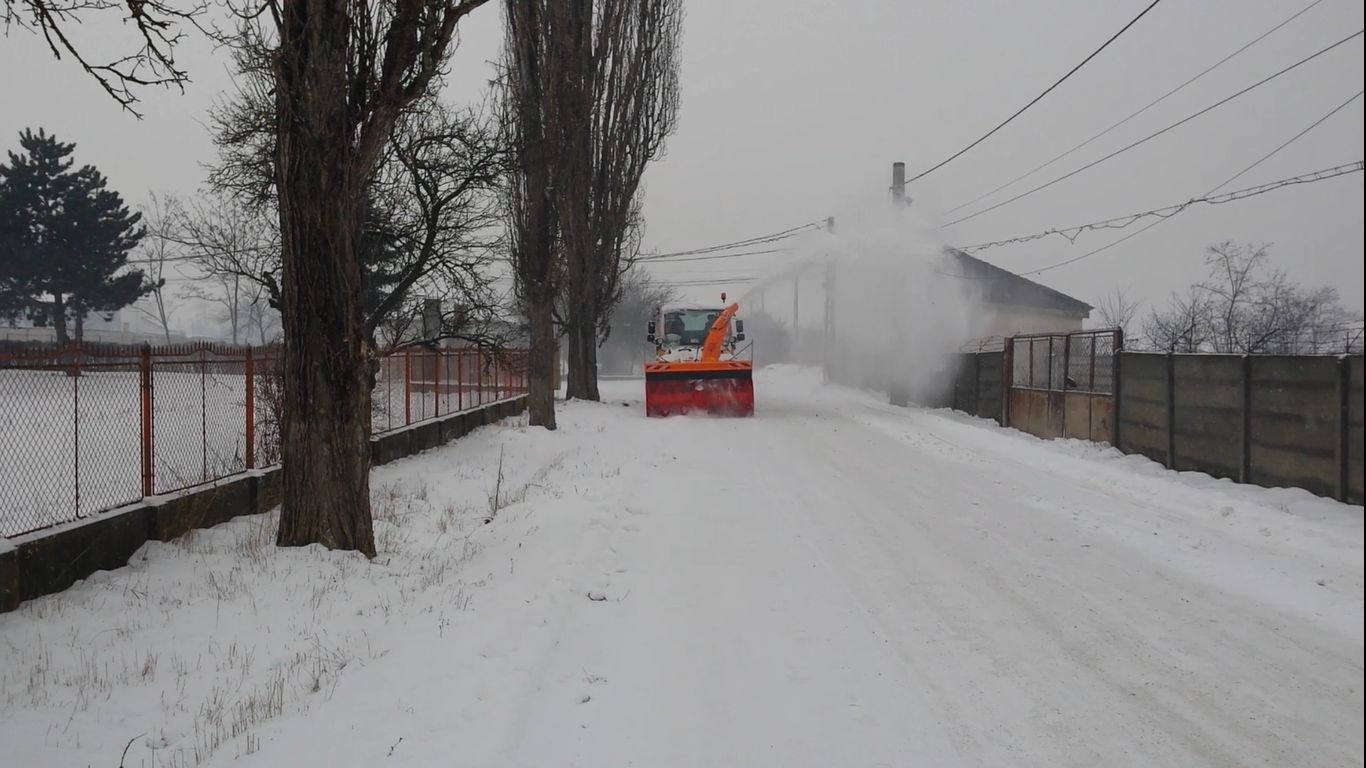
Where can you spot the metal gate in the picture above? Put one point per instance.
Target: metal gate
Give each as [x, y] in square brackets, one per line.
[1063, 384]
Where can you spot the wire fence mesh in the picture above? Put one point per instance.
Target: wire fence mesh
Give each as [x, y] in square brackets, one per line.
[1081, 361]
[87, 428]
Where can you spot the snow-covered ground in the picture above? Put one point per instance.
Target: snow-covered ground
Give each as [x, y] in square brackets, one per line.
[834, 582]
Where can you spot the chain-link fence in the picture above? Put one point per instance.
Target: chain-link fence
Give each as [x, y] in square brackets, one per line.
[1079, 361]
[87, 428]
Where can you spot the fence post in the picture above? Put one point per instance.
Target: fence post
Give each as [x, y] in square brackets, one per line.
[437, 361]
[1066, 374]
[145, 389]
[77, 353]
[203, 413]
[1091, 375]
[1344, 448]
[460, 380]
[977, 383]
[1116, 379]
[1007, 373]
[407, 386]
[249, 370]
[1171, 410]
[1245, 420]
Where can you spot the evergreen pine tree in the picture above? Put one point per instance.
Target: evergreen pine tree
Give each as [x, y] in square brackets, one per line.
[64, 238]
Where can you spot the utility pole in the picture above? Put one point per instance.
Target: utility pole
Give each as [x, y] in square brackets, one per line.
[829, 304]
[898, 389]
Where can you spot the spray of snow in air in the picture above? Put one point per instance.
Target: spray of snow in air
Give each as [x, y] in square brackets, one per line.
[898, 307]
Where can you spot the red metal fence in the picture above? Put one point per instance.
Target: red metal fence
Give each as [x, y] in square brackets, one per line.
[87, 428]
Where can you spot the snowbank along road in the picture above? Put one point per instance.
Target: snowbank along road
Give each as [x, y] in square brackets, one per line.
[833, 582]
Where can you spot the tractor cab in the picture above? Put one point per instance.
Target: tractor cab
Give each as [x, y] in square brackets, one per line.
[682, 330]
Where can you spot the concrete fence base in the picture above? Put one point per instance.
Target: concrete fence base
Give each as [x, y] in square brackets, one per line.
[46, 562]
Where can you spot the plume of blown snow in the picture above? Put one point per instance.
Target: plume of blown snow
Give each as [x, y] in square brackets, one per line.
[881, 303]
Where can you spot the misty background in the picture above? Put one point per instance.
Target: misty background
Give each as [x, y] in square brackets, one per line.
[794, 111]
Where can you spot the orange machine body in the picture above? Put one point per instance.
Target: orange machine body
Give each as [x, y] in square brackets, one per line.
[707, 384]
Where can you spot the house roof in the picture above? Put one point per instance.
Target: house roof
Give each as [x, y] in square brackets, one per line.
[1000, 286]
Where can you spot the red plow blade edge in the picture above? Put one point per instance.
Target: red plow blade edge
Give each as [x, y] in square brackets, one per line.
[721, 393]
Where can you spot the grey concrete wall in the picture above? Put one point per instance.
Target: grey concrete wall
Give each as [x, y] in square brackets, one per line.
[977, 385]
[1294, 421]
[1354, 437]
[48, 562]
[1264, 419]
[989, 385]
[1142, 418]
[1209, 414]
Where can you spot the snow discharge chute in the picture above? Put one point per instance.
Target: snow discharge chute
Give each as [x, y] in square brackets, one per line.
[696, 366]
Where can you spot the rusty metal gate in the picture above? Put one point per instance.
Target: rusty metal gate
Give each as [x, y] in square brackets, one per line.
[1062, 384]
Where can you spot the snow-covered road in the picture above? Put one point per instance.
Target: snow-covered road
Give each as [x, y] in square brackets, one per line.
[834, 582]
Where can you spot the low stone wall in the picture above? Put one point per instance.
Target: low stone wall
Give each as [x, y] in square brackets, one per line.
[50, 561]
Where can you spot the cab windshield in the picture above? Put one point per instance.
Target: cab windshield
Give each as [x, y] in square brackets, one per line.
[688, 326]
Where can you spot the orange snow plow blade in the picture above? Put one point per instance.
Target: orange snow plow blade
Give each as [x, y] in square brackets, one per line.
[720, 387]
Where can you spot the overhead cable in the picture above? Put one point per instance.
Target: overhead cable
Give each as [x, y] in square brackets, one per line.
[1155, 134]
[1140, 111]
[1036, 99]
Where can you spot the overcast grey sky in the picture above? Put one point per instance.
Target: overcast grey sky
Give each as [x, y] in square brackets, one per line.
[794, 110]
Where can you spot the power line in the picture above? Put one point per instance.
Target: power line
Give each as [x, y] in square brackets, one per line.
[1211, 191]
[1140, 111]
[761, 239]
[1168, 212]
[680, 260]
[1036, 99]
[1154, 135]
[1120, 222]
[1308, 178]
[721, 281]
[1286, 143]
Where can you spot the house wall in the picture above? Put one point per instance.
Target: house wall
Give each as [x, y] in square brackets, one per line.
[1003, 320]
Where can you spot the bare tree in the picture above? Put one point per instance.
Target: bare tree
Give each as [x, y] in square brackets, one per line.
[1257, 309]
[438, 223]
[1185, 326]
[344, 72]
[237, 251]
[624, 346]
[1117, 310]
[626, 80]
[159, 26]
[161, 251]
[1246, 307]
[1233, 287]
[432, 223]
[535, 61]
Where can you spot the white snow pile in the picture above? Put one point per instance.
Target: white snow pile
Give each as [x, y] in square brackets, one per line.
[832, 582]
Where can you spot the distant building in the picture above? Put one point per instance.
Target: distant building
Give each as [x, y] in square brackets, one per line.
[123, 326]
[1014, 304]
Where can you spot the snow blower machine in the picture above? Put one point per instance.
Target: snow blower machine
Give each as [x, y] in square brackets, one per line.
[697, 366]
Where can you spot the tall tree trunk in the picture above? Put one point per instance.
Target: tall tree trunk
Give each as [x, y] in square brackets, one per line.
[583, 360]
[80, 327]
[541, 366]
[325, 447]
[574, 98]
[59, 318]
